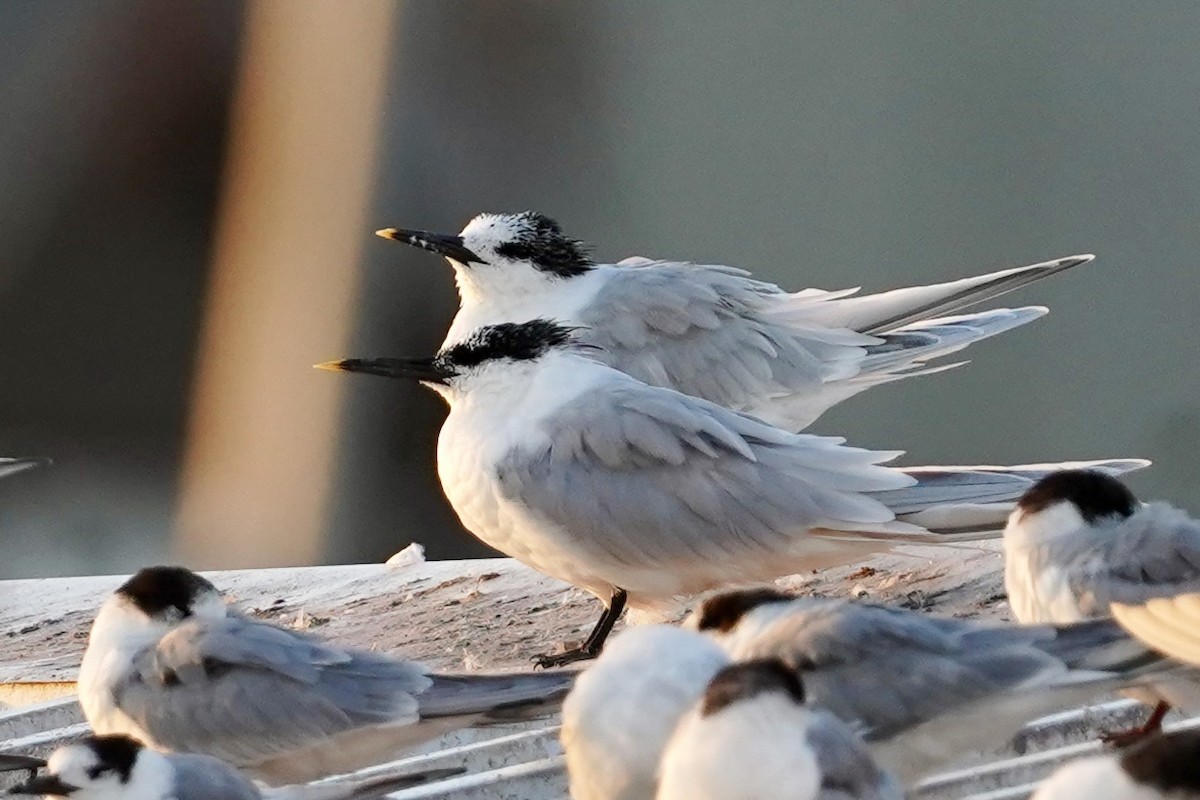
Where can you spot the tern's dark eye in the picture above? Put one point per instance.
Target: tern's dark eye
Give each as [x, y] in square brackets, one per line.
[95, 772]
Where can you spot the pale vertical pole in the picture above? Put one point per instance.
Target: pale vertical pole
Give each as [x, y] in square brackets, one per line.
[292, 222]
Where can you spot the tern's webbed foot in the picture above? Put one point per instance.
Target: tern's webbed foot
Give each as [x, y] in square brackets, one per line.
[1150, 727]
[568, 656]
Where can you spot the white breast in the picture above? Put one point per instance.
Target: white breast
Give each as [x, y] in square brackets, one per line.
[1038, 595]
[482, 429]
[106, 664]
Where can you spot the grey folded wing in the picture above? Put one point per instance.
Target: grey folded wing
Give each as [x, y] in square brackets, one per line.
[884, 670]
[200, 777]
[1154, 553]
[652, 478]
[706, 331]
[848, 770]
[243, 690]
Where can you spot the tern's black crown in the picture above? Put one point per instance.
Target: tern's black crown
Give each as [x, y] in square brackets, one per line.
[541, 241]
[156, 589]
[724, 611]
[749, 679]
[518, 341]
[1170, 763]
[115, 754]
[1094, 493]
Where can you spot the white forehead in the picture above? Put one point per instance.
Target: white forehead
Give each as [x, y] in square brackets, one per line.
[495, 228]
[75, 758]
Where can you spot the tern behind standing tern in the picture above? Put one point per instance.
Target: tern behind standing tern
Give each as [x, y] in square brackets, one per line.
[639, 493]
[926, 690]
[1164, 767]
[713, 331]
[753, 736]
[1079, 543]
[119, 767]
[169, 663]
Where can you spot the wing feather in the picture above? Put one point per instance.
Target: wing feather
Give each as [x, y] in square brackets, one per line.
[243, 690]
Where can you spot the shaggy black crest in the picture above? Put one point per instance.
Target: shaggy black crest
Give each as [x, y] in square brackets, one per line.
[519, 341]
[723, 612]
[156, 589]
[116, 754]
[1170, 763]
[1096, 494]
[542, 242]
[749, 679]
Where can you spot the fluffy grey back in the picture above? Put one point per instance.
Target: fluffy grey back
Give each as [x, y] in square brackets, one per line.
[243, 690]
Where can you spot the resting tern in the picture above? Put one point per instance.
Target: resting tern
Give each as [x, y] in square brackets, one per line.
[169, 663]
[1080, 542]
[753, 736]
[1163, 767]
[119, 767]
[623, 708]
[925, 690]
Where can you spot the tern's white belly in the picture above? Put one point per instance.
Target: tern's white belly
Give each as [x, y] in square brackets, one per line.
[469, 481]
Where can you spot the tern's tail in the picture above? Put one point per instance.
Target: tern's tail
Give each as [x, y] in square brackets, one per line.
[907, 351]
[500, 698]
[887, 311]
[970, 503]
[11, 466]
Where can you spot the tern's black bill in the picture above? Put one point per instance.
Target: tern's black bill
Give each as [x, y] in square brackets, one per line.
[440, 243]
[45, 785]
[426, 370]
[15, 763]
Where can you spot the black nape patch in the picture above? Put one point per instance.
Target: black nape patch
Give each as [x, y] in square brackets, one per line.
[749, 679]
[1169, 762]
[116, 753]
[156, 589]
[1094, 493]
[724, 611]
[519, 341]
[541, 241]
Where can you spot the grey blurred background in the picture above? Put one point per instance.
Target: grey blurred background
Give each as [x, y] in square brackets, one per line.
[189, 190]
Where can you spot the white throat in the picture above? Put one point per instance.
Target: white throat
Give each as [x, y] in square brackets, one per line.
[516, 292]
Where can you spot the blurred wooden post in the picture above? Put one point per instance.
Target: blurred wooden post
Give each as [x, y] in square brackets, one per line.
[299, 174]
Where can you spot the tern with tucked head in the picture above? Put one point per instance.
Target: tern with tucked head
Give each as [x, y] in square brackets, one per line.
[623, 708]
[169, 663]
[640, 494]
[713, 331]
[925, 690]
[1164, 767]
[1079, 542]
[752, 735]
[119, 767]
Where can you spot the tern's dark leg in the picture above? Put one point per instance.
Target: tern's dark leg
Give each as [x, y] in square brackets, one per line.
[595, 641]
[1134, 735]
